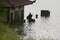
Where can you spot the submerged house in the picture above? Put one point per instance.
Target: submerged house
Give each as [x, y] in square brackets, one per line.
[15, 10]
[45, 13]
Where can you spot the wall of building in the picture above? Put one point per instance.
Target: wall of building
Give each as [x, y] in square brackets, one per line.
[17, 15]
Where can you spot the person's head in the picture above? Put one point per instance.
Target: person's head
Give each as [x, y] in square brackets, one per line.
[29, 13]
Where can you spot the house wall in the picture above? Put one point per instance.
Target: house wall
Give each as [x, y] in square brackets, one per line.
[17, 15]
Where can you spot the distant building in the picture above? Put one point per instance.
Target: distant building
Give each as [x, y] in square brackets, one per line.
[45, 13]
[15, 9]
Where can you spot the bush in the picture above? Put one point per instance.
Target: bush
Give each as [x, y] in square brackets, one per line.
[6, 33]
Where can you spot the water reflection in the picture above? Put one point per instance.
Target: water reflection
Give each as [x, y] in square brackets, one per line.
[40, 30]
[36, 29]
[27, 27]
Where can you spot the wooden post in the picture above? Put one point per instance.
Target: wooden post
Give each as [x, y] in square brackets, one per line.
[22, 15]
[8, 12]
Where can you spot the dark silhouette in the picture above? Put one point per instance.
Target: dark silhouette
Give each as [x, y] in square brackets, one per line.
[45, 13]
[29, 17]
[36, 16]
[24, 20]
[32, 20]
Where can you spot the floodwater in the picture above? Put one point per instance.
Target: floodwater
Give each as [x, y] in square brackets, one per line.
[43, 27]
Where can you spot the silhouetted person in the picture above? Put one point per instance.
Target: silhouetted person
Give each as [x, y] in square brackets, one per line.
[36, 16]
[29, 17]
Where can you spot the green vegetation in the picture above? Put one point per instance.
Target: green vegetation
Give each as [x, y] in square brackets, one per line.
[6, 33]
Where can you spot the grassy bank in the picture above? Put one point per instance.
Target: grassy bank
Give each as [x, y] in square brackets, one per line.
[6, 33]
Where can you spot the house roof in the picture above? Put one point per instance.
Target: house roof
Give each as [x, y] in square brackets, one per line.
[16, 2]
